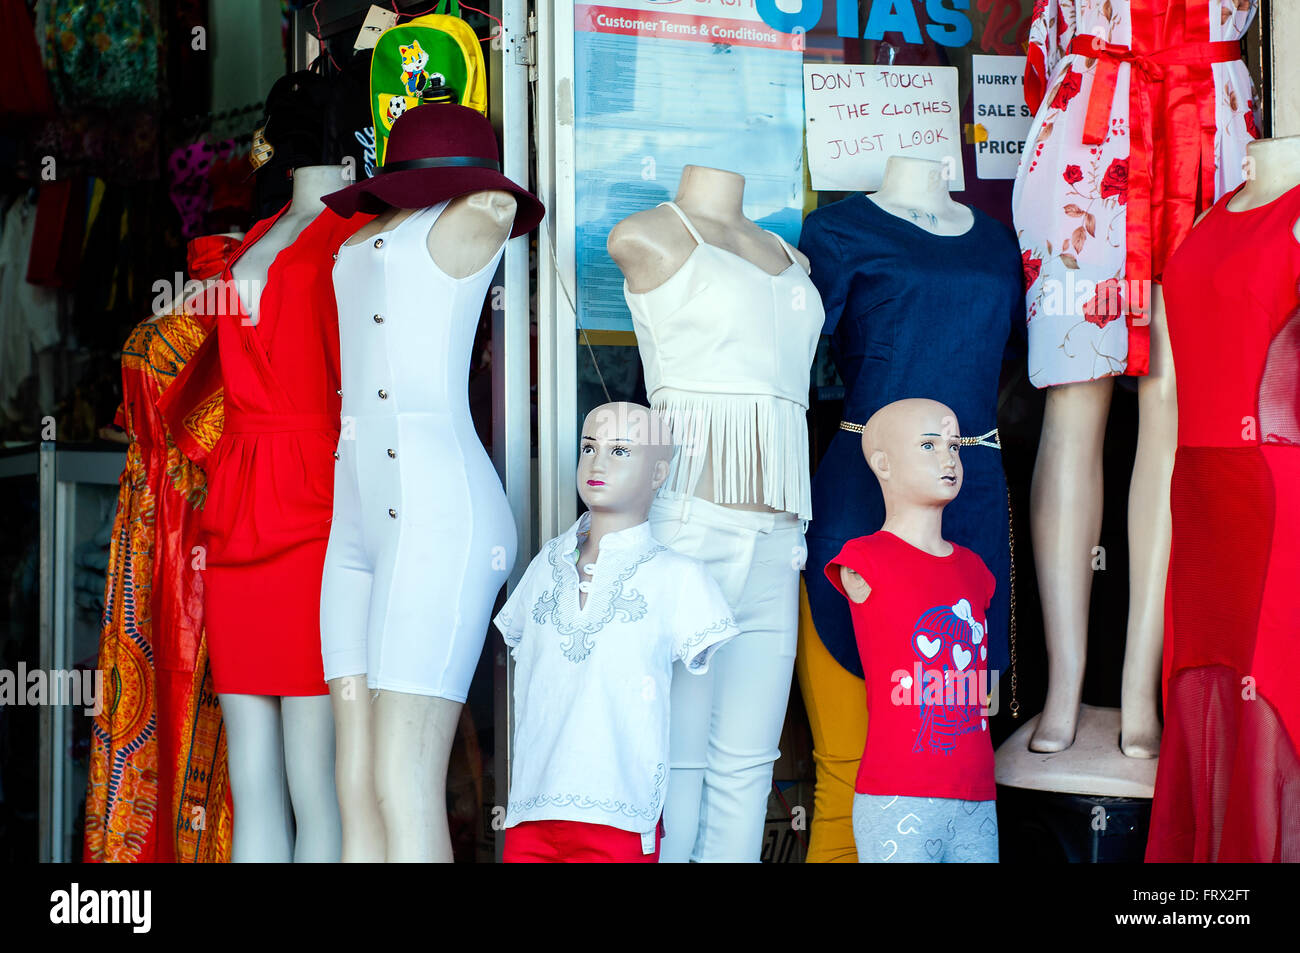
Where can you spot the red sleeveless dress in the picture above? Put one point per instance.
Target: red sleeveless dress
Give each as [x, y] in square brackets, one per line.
[271, 476]
[1228, 782]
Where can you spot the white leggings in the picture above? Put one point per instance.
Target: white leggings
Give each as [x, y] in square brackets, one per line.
[726, 724]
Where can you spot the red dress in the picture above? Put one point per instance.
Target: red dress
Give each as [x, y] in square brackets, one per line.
[271, 475]
[1228, 784]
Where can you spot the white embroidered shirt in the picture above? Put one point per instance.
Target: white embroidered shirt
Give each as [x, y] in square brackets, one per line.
[592, 683]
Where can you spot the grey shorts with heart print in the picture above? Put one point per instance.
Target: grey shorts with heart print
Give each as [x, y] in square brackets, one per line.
[924, 830]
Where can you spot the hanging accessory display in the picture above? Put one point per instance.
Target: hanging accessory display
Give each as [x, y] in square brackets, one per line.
[432, 59]
[261, 152]
[437, 153]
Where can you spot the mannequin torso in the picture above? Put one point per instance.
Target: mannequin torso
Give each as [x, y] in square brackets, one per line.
[281, 747]
[1233, 504]
[727, 323]
[1066, 510]
[395, 738]
[650, 246]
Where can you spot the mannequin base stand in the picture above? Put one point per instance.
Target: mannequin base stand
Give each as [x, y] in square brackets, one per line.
[1086, 804]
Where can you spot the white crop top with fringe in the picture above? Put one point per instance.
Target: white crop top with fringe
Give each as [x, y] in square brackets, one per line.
[727, 349]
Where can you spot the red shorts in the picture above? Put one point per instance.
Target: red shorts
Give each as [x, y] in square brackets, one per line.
[573, 842]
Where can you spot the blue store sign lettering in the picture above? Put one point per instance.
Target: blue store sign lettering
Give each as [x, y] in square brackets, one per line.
[948, 26]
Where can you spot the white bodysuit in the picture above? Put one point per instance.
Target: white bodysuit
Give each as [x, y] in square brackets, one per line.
[422, 538]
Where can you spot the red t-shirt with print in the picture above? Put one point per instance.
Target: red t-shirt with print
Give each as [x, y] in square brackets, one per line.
[924, 656]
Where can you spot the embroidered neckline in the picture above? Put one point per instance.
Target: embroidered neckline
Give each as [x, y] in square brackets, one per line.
[577, 624]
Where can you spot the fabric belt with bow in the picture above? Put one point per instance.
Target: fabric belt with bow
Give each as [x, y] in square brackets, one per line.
[1147, 68]
[1150, 66]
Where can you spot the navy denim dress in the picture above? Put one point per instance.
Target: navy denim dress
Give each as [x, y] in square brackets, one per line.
[912, 314]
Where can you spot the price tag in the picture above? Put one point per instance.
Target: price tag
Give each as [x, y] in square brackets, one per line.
[377, 21]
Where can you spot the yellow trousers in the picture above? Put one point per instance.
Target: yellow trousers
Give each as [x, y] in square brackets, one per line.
[836, 702]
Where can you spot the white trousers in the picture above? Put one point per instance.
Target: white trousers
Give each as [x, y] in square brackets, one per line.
[726, 724]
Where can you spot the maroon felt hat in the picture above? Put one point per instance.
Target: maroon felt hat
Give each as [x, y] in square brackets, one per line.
[435, 152]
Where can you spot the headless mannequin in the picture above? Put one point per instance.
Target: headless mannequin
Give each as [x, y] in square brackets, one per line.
[282, 748]
[1065, 521]
[622, 462]
[915, 190]
[1066, 510]
[651, 245]
[393, 748]
[726, 724]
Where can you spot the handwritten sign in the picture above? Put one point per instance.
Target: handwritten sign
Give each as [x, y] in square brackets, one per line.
[1000, 108]
[859, 116]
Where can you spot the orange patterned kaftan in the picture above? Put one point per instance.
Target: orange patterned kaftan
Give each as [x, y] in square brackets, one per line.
[159, 788]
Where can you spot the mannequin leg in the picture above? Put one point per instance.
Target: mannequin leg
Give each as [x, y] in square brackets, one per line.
[309, 763]
[688, 754]
[255, 747]
[691, 702]
[837, 714]
[751, 689]
[1150, 528]
[1065, 522]
[750, 693]
[354, 773]
[413, 735]
[724, 736]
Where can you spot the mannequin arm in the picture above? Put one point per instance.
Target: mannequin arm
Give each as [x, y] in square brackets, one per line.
[648, 247]
[470, 230]
[854, 585]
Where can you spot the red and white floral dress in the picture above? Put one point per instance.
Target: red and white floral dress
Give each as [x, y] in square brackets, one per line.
[1143, 109]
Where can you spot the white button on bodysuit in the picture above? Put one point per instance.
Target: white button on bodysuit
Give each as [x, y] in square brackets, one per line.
[422, 538]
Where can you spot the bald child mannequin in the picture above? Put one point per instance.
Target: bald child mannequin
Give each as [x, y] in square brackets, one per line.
[622, 461]
[595, 627]
[924, 790]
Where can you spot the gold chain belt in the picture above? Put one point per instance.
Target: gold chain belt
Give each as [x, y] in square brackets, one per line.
[989, 439]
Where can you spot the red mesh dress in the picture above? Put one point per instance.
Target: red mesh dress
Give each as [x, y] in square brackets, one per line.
[1228, 784]
[271, 477]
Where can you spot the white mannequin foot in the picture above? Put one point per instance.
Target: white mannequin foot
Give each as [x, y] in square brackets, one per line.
[1139, 733]
[1056, 725]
